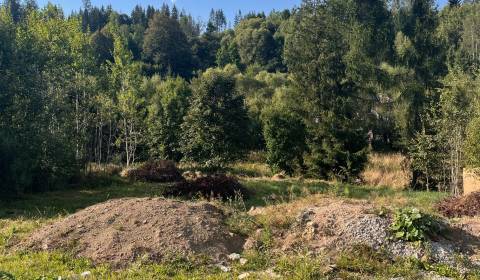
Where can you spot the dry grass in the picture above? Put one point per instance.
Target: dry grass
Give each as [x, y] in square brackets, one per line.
[284, 214]
[471, 180]
[103, 169]
[387, 170]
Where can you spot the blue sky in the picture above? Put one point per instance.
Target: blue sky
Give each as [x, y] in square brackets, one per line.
[198, 8]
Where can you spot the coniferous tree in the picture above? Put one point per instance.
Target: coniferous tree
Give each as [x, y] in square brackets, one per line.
[166, 47]
[454, 3]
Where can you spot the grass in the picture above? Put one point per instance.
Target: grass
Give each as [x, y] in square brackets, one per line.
[387, 170]
[20, 217]
[62, 202]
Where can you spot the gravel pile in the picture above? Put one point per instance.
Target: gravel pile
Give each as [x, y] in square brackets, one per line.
[340, 225]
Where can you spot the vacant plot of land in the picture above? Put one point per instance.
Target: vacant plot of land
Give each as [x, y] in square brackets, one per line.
[20, 218]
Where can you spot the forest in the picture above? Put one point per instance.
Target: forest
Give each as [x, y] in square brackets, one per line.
[317, 87]
[336, 139]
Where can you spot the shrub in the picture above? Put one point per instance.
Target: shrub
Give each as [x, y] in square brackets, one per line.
[409, 224]
[218, 186]
[160, 171]
[214, 129]
[285, 138]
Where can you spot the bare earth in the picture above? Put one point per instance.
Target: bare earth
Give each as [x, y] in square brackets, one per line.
[152, 229]
[334, 225]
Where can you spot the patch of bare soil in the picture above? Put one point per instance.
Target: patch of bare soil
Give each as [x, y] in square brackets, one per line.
[121, 231]
[339, 225]
[470, 227]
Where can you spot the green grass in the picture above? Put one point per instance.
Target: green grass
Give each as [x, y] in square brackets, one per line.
[20, 217]
[62, 202]
[268, 192]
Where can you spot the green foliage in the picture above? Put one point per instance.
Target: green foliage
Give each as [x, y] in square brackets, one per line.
[324, 68]
[125, 78]
[228, 51]
[166, 47]
[168, 105]
[403, 75]
[214, 129]
[362, 259]
[410, 224]
[285, 138]
[472, 143]
[255, 38]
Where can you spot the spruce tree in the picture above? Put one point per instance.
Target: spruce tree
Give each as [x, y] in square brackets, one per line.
[166, 47]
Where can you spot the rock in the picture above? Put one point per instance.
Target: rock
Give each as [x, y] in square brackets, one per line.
[243, 261]
[234, 257]
[86, 274]
[255, 211]
[244, 275]
[224, 268]
[330, 268]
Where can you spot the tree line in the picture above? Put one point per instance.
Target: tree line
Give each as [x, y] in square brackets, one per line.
[317, 87]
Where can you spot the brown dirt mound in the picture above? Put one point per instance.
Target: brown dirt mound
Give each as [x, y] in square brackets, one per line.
[121, 231]
[461, 206]
[160, 171]
[218, 186]
[338, 225]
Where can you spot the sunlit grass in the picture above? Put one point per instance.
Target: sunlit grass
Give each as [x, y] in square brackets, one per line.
[20, 217]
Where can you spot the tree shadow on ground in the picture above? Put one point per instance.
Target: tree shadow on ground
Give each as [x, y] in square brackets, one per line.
[69, 200]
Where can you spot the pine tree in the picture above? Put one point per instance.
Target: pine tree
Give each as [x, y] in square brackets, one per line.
[175, 12]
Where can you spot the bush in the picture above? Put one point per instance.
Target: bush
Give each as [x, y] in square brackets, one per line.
[285, 138]
[218, 186]
[409, 224]
[214, 129]
[160, 171]
[25, 168]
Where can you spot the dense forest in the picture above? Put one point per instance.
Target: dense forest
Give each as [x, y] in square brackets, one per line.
[317, 88]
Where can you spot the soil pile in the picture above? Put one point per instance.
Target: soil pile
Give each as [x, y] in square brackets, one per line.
[340, 225]
[217, 186]
[150, 229]
[461, 206]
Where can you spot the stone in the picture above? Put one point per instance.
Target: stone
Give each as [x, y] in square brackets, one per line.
[244, 275]
[234, 257]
